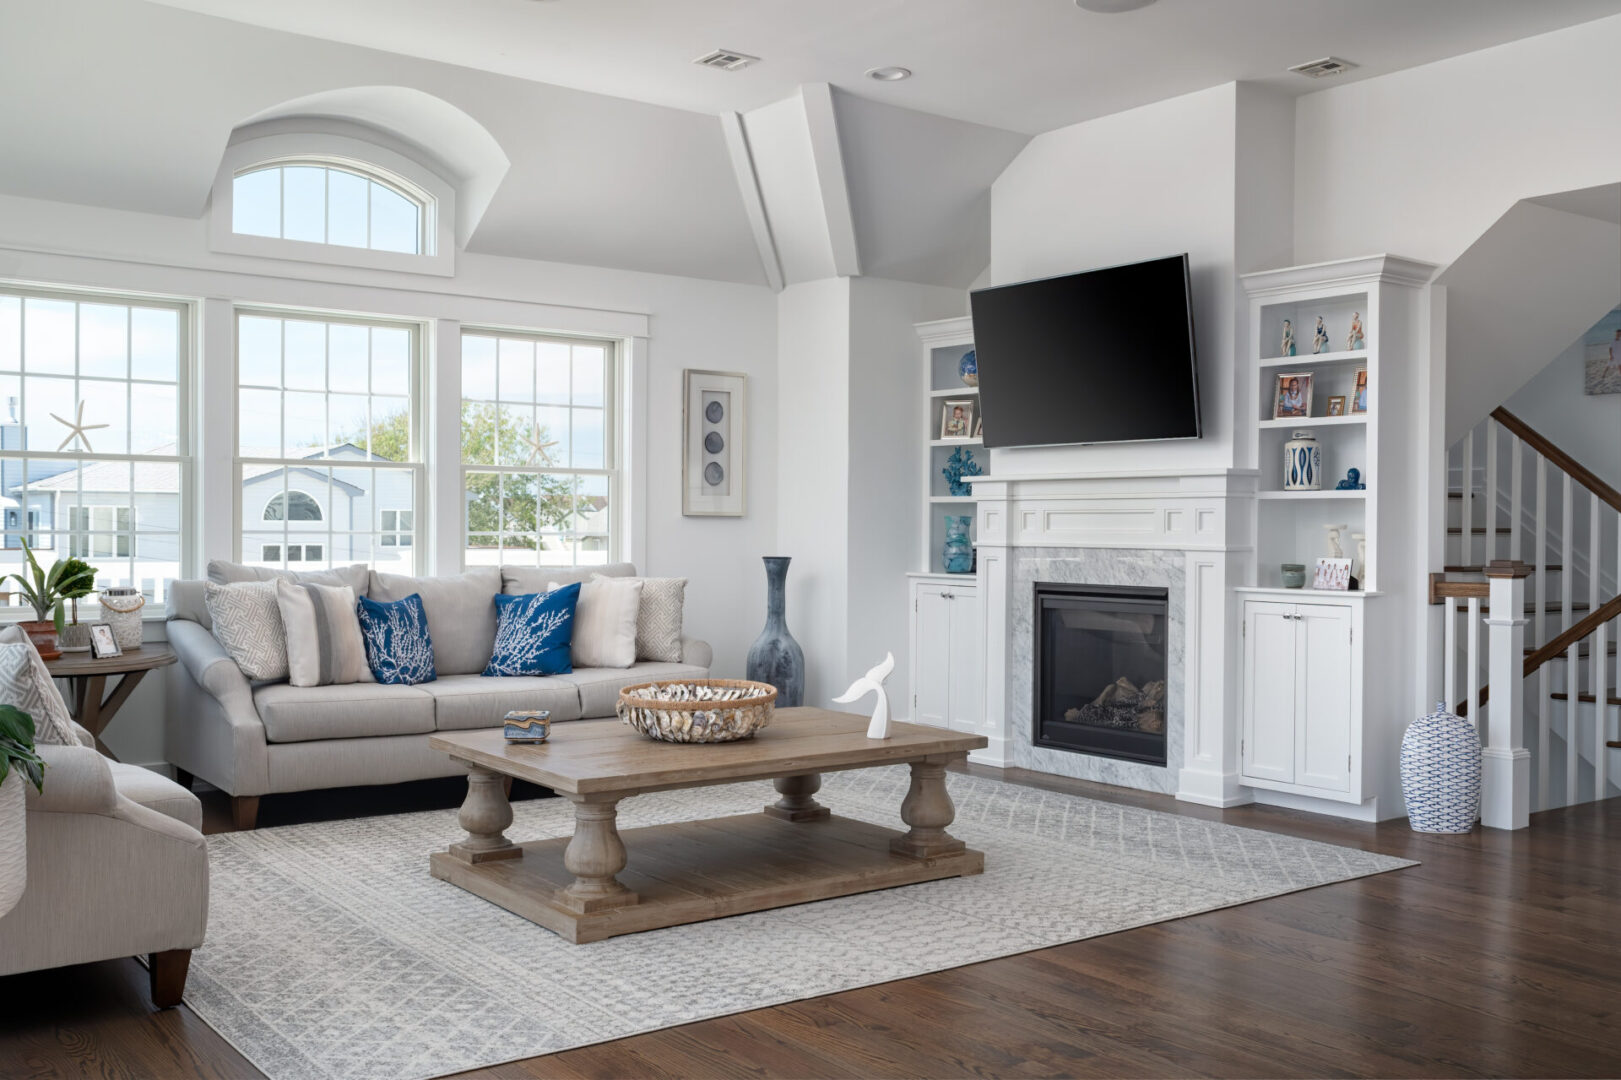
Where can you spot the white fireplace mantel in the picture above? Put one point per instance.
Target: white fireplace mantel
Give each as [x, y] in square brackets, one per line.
[1204, 515]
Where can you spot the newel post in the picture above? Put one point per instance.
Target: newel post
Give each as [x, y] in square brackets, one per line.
[1505, 796]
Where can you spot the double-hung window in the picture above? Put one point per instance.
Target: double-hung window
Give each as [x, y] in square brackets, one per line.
[329, 441]
[539, 476]
[94, 457]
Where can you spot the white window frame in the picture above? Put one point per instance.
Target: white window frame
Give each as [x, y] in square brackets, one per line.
[418, 466]
[391, 536]
[82, 539]
[336, 148]
[287, 495]
[185, 440]
[612, 407]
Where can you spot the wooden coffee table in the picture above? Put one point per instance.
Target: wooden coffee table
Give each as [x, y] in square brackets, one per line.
[600, 883]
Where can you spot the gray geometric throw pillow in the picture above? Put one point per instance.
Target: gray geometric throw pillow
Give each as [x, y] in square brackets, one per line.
[247, 621]
[659, 622]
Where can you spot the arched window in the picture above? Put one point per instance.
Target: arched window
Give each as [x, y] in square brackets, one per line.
[293, 506]
[329, 203]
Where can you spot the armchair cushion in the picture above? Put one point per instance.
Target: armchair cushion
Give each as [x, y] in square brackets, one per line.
[26, 683]
[148, 789]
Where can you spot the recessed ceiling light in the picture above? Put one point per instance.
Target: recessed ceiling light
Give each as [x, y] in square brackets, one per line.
[889, 74]
[727, 60]
[1112, 7]
[1322, 69]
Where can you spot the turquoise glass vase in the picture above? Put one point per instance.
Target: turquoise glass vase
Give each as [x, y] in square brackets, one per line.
[958, 552]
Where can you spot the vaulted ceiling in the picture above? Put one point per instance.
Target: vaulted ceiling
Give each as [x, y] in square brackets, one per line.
[623, 154]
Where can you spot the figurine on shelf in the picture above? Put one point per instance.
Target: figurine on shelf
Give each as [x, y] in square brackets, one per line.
[1352, 481]
[1334, 549]
[1354, 341]
[1319, 340]
[961, 463]
[1288, 338]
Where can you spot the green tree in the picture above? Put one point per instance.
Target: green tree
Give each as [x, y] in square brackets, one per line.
[532, 501]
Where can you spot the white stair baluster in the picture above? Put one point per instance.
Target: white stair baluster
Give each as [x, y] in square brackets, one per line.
[1539, 548]
[1489, 494]
[1516, 453]
[1473, 661]
[1466, 535]
[1449, 658]
[1598, 659]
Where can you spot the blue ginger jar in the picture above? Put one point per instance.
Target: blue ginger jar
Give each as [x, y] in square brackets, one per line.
[1440, 773]
[958, 552]
[968, 368]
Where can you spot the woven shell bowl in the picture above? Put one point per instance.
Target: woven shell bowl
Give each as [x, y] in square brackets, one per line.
[698, 710]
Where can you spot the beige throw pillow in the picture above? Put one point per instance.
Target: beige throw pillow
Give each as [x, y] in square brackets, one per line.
[247, 621]
[25, 683]
[659, 620]
[605, 622]
[324, 645]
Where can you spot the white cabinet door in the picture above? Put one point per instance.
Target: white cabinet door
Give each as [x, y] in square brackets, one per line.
[931, 659]
[966, 711]
[1323, 697]
[1269, 691]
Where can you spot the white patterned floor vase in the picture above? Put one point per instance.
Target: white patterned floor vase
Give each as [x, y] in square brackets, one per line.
[1440, 773]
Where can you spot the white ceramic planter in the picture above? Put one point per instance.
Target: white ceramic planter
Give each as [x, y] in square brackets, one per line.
[13, 840]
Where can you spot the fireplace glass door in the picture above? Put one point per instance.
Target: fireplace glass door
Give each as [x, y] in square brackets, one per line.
[1100, 670]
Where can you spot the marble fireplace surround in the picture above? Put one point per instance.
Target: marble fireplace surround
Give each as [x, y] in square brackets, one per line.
[1190, 533]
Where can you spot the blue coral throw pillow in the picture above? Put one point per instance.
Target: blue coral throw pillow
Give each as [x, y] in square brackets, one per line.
[533, 633]
[399, 649]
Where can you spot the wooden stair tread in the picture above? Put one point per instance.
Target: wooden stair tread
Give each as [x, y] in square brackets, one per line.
[1551, 568]
[1550, 608]
[1501, 530]
[1589, 699]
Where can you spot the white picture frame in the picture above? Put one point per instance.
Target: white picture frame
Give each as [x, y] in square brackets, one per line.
[1333, 575]
[713, 448]
[103, 646]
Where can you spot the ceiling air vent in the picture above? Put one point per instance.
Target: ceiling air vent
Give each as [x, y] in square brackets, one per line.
[727, 60]
[1322, 69]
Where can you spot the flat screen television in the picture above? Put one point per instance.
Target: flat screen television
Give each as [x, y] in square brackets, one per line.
[1102, 356]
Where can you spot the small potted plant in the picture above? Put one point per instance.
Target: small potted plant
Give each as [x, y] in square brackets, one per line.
[46, 594]
[75, 636]
[19, 765]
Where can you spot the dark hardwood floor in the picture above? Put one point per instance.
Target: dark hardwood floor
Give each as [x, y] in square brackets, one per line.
[1499, 956]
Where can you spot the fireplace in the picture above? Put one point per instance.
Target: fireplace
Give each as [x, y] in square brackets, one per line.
[1100, 670]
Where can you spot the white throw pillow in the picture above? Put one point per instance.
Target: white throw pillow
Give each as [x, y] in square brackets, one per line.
[605, 622]
[247, 621]
[324, 646]
[25, 682]
[658, 622]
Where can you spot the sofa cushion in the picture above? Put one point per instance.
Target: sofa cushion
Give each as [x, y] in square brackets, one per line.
[520, 580]
[356, 577]
[659, 619]
[25, 683]
[157, 793]
[353, 710]
[398, 645]
[323, 634]
[605, 622]
[460, 610]
[532, 633]
[462, 702]
[246, 619]
[599, 687]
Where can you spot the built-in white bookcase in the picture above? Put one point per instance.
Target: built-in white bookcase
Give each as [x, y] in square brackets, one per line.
[944, 342]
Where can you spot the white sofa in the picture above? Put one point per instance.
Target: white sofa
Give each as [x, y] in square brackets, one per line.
[253, 739]
[117, 866]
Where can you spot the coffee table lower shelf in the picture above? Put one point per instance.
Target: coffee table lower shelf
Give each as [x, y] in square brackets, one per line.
[696, 870]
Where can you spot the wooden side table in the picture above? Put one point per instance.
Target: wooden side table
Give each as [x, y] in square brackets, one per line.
[93, 707]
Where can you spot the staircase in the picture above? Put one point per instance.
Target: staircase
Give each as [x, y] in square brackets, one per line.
[1536, 535]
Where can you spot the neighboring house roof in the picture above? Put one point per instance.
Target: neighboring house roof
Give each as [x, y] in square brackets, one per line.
[159, 477]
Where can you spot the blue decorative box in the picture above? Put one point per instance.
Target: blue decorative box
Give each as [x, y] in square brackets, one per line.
[527, 725]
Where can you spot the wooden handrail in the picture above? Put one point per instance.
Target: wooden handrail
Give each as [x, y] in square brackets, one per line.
[1441, 588]
[1581, 629]
[1561, 460]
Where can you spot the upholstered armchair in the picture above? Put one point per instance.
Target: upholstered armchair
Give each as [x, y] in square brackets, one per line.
[117, 866]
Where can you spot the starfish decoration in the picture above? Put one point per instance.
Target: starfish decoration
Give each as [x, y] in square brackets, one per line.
[76, 429]
[540, 452]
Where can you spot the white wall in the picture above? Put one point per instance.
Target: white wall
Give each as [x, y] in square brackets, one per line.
[678, 322]
[1421, 162]
[1587, 427]
[1141, 184]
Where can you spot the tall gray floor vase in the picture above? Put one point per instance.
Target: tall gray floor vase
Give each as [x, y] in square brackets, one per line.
[775, 657]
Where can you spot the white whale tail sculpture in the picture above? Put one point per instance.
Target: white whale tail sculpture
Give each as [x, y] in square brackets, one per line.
[873, 682]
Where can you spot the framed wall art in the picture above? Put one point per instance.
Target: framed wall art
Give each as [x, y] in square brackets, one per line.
[712, 454]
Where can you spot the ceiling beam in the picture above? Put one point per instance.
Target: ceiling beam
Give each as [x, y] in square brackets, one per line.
[748, 185]
[829, 158]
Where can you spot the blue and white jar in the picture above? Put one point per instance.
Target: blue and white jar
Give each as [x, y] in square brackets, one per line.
[1440, 773]
[1302, 463]
[968, 368]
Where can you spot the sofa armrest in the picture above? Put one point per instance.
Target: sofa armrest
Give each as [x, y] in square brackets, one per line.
[213, 728]
[77, 781]
[207, 662]
[696, 652]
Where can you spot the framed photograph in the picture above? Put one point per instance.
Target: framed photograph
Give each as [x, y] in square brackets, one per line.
[957, 419]
[1602, 368]
[1336, 405]
[1333, 575]
[102, 643]
[1291, 395]
[979, 428]
[712, 454]
[1359, 397]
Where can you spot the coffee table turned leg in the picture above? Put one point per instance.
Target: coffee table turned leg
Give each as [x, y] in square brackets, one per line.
[594, 855]
[927, 809]
[485, 815]
[796, 803]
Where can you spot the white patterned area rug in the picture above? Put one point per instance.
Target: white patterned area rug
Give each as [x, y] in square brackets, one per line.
[332, 953]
